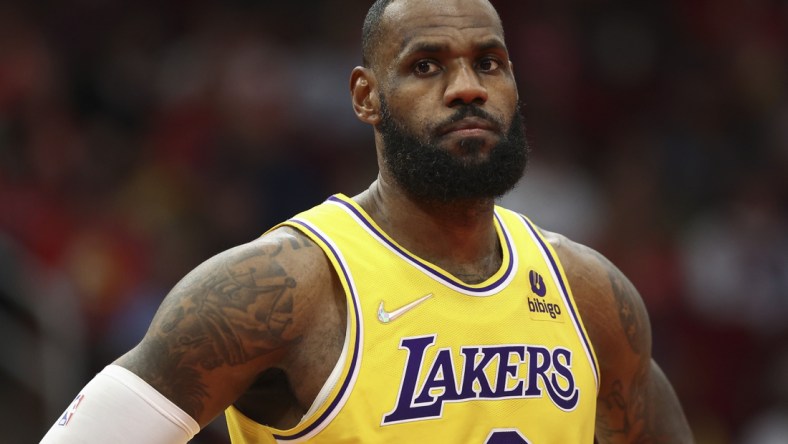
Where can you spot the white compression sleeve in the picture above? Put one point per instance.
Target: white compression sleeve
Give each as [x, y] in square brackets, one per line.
[117, 406]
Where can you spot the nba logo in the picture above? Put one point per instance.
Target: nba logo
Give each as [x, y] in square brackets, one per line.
[70, 411]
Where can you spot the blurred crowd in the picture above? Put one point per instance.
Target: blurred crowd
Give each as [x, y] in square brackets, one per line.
[137, 139]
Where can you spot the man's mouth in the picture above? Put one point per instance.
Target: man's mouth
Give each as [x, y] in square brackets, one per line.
[469, 127]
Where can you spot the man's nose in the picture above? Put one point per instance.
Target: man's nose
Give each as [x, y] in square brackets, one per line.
[465, 87]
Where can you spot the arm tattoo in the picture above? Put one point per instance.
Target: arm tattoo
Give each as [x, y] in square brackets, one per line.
[615, 406]
[625, 406]
[625, 295]
[226, 315]
[625, 414]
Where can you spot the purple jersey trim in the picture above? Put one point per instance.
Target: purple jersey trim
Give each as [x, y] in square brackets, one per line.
[354, 358]
[426, 268]
[565, 294]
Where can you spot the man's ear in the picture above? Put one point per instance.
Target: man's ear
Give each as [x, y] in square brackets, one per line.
[363, 92]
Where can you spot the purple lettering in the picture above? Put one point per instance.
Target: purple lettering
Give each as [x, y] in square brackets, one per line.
[538, 364]
[506, 368]
[567, 398]
[441, 377]
[548, 371]
[474, 371]
[404, 410]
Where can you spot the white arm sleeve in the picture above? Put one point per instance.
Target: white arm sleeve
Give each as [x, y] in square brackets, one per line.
[117, 406]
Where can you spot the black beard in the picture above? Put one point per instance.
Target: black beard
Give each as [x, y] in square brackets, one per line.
[432, 174]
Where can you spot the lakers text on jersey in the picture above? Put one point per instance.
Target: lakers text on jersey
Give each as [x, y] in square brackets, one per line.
[430, 358]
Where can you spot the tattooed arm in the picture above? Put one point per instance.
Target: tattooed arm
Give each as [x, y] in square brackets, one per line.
[232, 318]
[636, 403]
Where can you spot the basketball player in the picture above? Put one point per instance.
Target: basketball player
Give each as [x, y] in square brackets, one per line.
[416, 311]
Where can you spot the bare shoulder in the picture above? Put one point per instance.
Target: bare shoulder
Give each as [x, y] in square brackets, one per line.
[610, 306]
[234, 316]
[636, 402]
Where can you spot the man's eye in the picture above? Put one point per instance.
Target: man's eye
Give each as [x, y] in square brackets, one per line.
[489, 65]
[425, 67]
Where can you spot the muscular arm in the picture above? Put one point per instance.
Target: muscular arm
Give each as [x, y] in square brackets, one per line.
[227, 321]
[636, 403]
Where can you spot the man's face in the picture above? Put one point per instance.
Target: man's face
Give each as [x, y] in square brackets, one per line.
[450, 123]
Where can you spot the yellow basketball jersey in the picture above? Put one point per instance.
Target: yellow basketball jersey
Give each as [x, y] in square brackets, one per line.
[429, 358]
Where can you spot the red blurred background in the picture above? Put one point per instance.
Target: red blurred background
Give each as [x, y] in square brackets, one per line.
[139, 138]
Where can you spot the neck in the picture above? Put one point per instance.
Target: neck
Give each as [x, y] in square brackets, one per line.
[459, 237]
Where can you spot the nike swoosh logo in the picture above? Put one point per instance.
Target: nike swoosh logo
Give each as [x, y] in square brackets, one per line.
[388, 316]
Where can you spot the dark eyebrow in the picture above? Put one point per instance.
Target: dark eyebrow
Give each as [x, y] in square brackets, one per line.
[427, 47]
[492, 44]
[424, 47]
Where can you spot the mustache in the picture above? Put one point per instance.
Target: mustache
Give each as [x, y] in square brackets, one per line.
[465, 111]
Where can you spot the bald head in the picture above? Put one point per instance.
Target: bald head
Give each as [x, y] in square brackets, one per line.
[381, 19]
[370, 33]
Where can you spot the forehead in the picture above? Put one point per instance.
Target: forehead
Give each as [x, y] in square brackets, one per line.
[456, 21]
